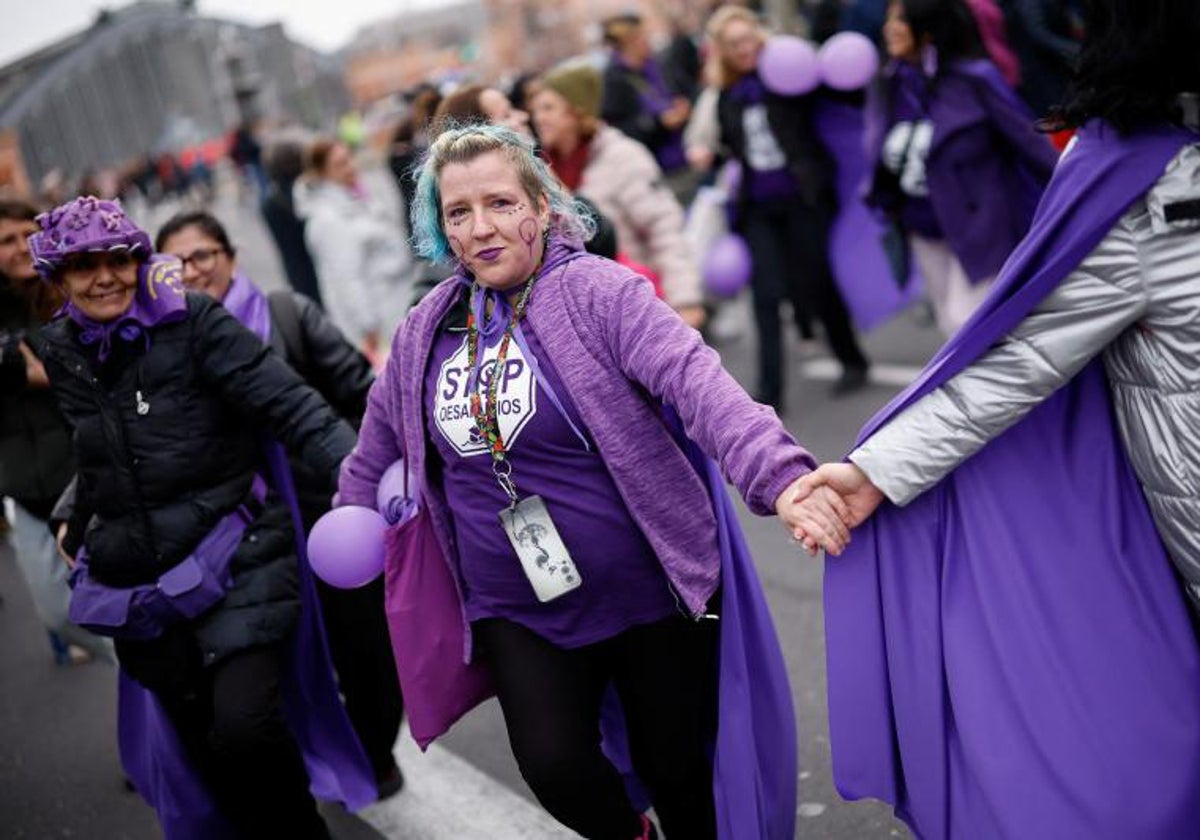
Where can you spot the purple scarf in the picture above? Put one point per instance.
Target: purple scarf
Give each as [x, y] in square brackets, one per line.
[246, 302]
[338, 768]
[1010, 654]
[159, 299]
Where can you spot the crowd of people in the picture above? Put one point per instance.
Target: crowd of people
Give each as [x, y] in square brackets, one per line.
[1013, 581]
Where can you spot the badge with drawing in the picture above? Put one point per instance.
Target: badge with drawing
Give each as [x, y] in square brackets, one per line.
[531, 531]
[545, 559]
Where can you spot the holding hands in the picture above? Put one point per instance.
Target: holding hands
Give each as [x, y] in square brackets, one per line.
[818, 509]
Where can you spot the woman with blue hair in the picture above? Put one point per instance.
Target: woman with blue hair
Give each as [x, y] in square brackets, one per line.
[526, 394]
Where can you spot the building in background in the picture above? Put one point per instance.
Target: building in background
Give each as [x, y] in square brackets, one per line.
[153, 78]
[492, 40]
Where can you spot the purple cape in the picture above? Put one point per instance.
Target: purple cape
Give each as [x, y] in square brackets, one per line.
[337, 766]
[755, 756]
[1010, 654]
[754, 751]
[856, 252]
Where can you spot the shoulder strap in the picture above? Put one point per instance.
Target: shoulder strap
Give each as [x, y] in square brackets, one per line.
[285, 315]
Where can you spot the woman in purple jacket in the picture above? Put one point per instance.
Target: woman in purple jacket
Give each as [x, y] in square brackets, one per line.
[959, 166]
[526, 395]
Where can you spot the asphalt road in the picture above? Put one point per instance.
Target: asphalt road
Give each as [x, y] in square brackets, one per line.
[60, 775]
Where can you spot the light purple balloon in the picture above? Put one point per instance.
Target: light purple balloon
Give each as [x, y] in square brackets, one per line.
[390, 498]
[788, 65]
[727, 266]
[848, 61]
[345, 548]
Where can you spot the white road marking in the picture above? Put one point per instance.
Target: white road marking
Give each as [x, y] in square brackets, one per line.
[447, 798]
[896, 376]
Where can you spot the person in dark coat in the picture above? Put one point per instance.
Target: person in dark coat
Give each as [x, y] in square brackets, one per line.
[786, 203]
[300, 333]
[35, 444]
[167, 394]
[285, 163]
[643, 101]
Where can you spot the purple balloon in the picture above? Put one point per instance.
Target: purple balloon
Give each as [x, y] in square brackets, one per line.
[727, 266]
[848, 61]
[788, 65]
[390, 498]
[345, 548]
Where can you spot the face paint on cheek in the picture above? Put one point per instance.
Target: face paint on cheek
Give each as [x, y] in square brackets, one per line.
[459, 250]
[528, 230]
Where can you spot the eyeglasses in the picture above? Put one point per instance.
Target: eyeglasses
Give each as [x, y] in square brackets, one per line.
[202, 258]
[89, 262]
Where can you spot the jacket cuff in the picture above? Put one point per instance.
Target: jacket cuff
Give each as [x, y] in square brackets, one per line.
[798, 467]
[897, 491]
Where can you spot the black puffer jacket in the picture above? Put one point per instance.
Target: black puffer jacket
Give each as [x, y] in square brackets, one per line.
[151, 485]
[35, 445]
[303, 335]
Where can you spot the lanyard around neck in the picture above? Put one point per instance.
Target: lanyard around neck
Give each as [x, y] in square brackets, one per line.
[485, 412]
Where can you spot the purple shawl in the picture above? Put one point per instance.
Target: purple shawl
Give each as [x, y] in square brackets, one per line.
[1010, 655]
[338, 769]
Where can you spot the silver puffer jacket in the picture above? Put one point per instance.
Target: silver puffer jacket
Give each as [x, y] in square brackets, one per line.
[1136, 299]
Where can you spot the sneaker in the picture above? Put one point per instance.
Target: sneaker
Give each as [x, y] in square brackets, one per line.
[649, 832]
[851, 380]
[391, 783]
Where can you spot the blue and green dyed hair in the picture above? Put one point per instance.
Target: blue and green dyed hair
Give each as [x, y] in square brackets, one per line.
[463, 143]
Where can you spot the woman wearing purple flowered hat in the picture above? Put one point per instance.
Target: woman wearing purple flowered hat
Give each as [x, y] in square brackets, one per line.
[179, 550]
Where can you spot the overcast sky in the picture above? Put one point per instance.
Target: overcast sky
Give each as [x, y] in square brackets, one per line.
[325, 24]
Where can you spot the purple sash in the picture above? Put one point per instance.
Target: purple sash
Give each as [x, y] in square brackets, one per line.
[190, 587]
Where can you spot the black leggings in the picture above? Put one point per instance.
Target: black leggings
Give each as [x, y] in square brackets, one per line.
[790, 242]
[232, 726]
[664, 674]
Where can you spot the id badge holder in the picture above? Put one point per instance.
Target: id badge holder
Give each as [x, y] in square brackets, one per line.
[543, 556]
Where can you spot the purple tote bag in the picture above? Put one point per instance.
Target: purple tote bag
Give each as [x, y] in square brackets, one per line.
[424, 618]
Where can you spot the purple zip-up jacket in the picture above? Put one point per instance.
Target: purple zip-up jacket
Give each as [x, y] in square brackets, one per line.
[621, 353]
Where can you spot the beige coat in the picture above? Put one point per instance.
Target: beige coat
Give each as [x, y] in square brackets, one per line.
[623, 180]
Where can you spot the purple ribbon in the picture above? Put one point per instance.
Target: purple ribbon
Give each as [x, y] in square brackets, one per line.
[127, 330]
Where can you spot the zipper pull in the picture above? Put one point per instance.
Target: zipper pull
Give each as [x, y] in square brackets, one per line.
[143, 407]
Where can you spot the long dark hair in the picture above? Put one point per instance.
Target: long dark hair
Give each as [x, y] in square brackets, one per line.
[1137, 57]
[949, 27]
